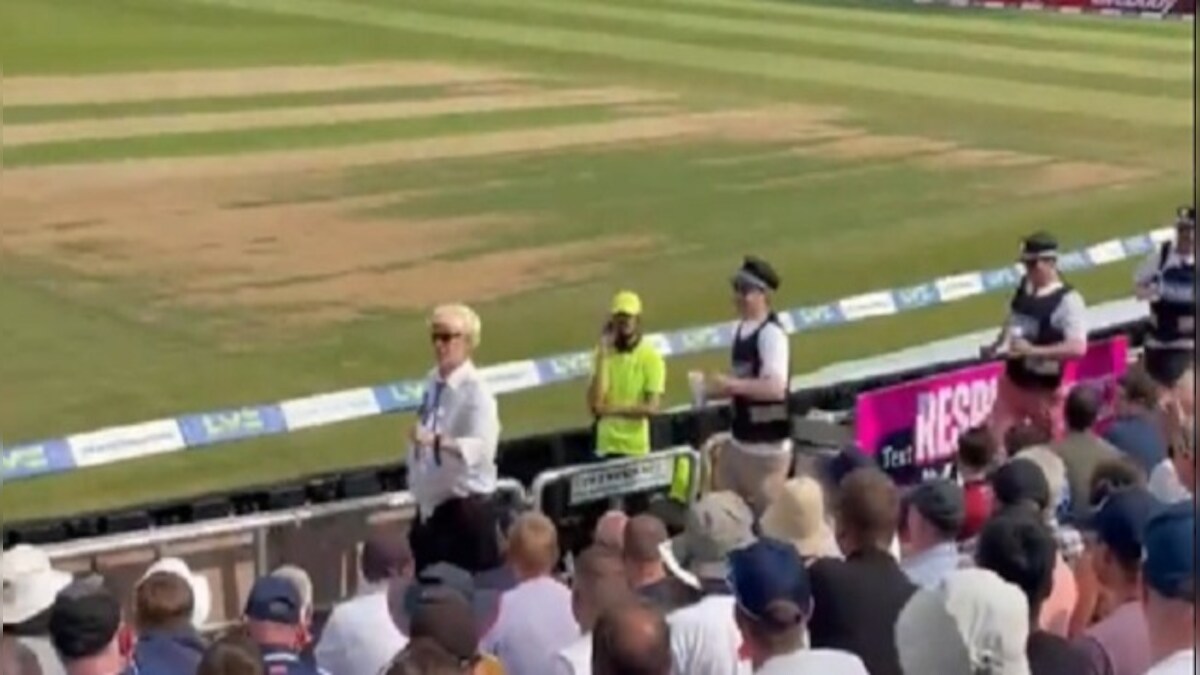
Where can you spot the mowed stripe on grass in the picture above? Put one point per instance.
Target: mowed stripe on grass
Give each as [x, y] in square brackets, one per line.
[954, 53]
[318, 115]
[1163, 111]
[125, 87]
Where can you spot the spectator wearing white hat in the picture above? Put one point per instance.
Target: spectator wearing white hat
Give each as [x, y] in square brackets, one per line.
[796, 515]
[360, 636]
[201, 593]
[705, 639]
[30, 586]
[452, 460]
[971, 623]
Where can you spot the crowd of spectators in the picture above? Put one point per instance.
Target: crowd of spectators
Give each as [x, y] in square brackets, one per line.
[1057, 549]
[1042, 559]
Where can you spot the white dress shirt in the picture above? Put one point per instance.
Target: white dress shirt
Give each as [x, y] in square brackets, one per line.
[462, 410]
[814, 662]
[1180, 663]
[360, 637]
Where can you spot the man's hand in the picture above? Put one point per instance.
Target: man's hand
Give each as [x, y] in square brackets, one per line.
[422, 437]
[719, 385]
[1021, 347]
[989, 351]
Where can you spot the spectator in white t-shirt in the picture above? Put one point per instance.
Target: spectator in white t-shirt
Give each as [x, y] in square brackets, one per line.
[773, 600]
[535, 620]
[705, 639]
[933, 516]
[360, 636]
[600, 584]
[1169, 580]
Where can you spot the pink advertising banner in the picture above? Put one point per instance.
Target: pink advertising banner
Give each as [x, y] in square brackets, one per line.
[913, 428]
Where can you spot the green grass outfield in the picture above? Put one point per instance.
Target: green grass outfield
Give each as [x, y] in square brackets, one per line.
[1092, 120]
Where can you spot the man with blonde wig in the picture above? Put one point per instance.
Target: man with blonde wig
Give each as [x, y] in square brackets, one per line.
[452, 459]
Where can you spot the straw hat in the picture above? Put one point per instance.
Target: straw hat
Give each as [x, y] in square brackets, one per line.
[30, 583]
[797, 515]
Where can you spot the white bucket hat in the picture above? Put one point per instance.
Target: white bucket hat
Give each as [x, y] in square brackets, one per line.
[30, 583]
[201, 595]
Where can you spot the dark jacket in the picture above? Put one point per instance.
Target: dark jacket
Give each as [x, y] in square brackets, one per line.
[1050, 654]
[855, 606]
[1139, 437]
[168, 652]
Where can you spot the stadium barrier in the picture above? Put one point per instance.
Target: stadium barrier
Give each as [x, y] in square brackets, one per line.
[116, 444]
[614, 479]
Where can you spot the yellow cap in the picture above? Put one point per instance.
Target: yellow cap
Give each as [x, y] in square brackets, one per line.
[627, 302]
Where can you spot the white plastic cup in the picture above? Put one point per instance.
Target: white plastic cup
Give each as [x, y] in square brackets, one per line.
[696, 385]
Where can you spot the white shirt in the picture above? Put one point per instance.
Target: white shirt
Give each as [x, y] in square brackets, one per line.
[576, 659]
[705, 639]
[461, 409]
[360, 637]
[927, 568]
[1147, 275]
[1165, 485]
[1182, 662]
[814, 662]
[534, 623]
[1148, 271]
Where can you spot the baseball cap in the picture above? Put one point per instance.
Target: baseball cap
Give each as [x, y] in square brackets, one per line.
[627, 302]
[940, 502]
[1021, 480]
[84, 620]
[1120, 521]
[848, 460]
[443, 615]
[717, 525]
[770, 583]
[1169, 557]
[275, 599]
[1039, 246]
[756, 273]
[972, 622]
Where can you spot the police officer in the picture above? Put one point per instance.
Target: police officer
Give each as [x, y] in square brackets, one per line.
[1167, 279]
[758, 457]
[275, 620]
[1046, 329]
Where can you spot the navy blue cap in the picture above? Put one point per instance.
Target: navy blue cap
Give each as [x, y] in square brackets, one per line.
[1169, 560]
[1120, 521]
[848, 460]
[274, 599]
[770, 583]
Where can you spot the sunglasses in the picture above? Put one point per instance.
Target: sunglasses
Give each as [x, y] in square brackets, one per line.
[444, 337]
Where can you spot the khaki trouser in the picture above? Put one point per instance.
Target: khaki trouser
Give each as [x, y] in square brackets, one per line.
[755, 477]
